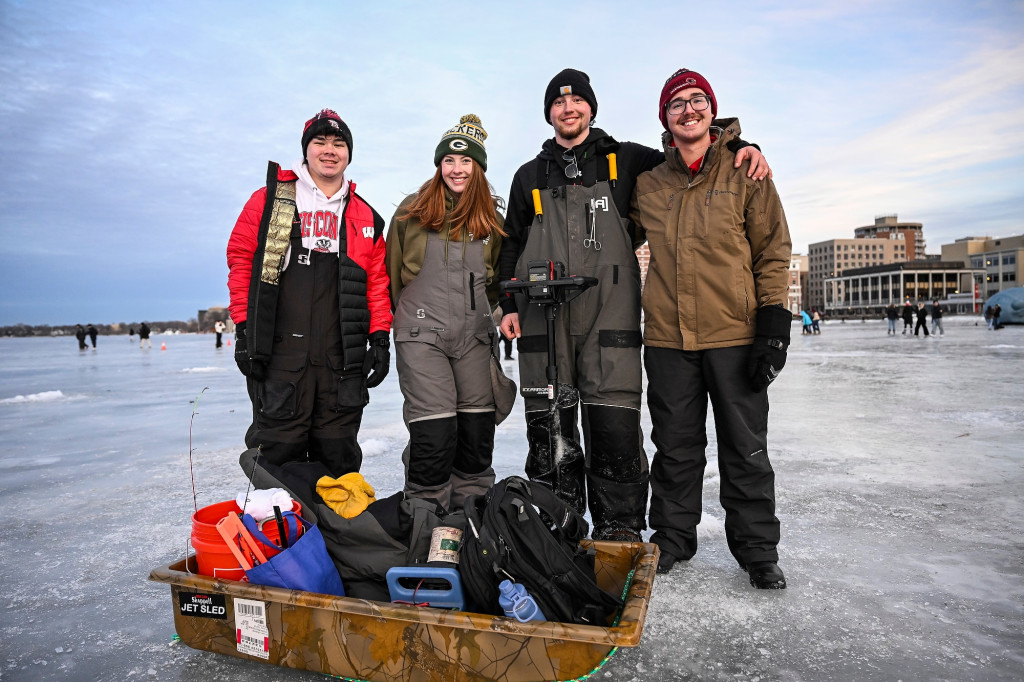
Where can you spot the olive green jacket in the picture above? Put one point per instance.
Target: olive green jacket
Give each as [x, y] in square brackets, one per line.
[407, 243]
[720, 248]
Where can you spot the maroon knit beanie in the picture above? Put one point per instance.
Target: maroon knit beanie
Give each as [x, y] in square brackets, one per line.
[327, 122]
[680, 80]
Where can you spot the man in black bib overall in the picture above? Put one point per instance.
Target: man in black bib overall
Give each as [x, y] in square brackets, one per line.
[569, 205]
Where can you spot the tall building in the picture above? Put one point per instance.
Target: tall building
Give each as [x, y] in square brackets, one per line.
[831, 258]
[798, 265]
[868, 290]
[886, 226]
[1001, 259]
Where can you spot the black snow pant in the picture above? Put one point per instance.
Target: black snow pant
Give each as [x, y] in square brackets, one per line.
[309, 406]
[309, 415]
[679, 385]
[921, 324]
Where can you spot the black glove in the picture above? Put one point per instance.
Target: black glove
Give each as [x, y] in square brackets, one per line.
[254, 369]
[771, 339]
[378, 359]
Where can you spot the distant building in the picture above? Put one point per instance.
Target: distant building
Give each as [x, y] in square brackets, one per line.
[869, 290]
[834, 257]
[798, 265]
[886, 226]
[207, 318]
[1001, 261]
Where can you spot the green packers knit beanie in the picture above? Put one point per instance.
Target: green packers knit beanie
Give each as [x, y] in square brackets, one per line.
[467, 139]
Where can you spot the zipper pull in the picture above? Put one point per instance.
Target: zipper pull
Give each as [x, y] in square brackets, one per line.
[707, 199]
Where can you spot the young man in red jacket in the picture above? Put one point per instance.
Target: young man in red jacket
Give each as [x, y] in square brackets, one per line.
[309, 298]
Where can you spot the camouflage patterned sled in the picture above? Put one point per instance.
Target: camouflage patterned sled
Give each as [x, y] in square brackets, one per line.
[382, 642]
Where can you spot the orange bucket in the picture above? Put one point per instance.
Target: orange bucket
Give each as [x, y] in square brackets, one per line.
[213, 556]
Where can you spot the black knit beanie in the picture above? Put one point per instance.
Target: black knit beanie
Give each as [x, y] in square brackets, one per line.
[327, 122]
[569, 82]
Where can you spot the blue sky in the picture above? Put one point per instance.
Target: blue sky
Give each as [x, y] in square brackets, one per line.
[132, 133]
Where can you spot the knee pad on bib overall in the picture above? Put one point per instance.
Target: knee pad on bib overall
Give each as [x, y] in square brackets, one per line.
[432, 445]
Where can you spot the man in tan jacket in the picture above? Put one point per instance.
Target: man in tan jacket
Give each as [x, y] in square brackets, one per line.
[715, 326]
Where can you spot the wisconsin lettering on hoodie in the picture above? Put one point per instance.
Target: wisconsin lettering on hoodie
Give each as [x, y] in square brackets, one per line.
[319, 214]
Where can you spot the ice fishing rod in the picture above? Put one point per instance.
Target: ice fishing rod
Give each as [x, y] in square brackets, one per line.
[191, 472]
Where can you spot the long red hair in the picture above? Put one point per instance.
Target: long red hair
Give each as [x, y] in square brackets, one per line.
[474, 208]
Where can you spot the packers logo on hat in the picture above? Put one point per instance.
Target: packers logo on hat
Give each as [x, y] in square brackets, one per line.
[467, 139]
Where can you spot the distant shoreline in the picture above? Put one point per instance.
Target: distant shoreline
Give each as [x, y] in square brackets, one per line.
[115, 329]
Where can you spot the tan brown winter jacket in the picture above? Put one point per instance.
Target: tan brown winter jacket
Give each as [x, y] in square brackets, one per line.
[720, 248]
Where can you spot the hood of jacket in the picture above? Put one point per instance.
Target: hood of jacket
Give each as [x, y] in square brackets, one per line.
[724, 130]
[308, 196]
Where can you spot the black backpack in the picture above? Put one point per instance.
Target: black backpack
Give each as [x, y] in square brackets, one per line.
[523, 532]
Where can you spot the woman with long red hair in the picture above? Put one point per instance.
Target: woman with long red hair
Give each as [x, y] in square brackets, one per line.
[442, 254]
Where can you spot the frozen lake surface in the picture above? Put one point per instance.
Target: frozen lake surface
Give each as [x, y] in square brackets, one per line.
[899, 483]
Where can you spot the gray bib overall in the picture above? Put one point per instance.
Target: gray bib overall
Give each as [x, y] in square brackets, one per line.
[597, 343]
[443, 332]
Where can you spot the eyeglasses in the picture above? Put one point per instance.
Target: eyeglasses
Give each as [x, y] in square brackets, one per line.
[697, 103]
[572, 170]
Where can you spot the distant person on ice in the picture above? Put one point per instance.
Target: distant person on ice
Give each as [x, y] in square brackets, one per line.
[922, 319]
[908, 316]
[80, 335]
[309, 298]
[131, 334]
[144, 336]
[937, 311]
[442, 255]
[716, 327]
[218, 329]
[805, 319]
[91, 331]
[891, 314]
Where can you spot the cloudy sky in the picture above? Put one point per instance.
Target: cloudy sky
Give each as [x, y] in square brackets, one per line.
[132, 133]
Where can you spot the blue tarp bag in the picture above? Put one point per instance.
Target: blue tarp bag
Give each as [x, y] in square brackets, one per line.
[304, 565]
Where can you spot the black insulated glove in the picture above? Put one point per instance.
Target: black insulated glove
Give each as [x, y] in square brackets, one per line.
[771, 339]
[254, 369]
[378, 359]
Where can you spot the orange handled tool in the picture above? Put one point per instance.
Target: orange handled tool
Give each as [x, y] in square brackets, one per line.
[233, 532]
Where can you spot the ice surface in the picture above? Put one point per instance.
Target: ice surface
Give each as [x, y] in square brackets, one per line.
[899, 465]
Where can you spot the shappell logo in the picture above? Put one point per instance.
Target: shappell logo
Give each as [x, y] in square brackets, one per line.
[458, 145]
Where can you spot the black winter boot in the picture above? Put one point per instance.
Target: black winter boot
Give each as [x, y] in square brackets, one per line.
[766, 575]
[617, 509]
